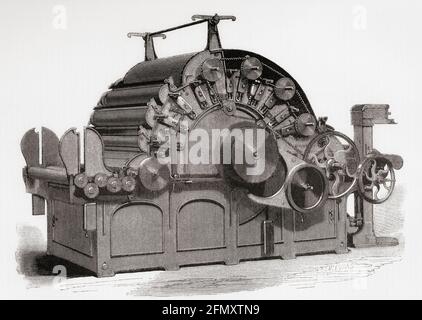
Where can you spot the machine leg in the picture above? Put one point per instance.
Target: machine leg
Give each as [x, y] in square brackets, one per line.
[231, 261]
[288, 255]
[342, 248]
[172, 267]
[105, 273]
[366, 237]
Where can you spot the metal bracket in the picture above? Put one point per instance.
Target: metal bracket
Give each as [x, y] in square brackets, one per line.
[69, 151]
[50, 149]
[149, 43]
[30, 148]
[213, 41]
[369, 114]
[38, 205]
[94, 153]
[90, 217]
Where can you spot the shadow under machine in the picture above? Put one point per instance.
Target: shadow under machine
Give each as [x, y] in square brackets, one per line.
[131, 206]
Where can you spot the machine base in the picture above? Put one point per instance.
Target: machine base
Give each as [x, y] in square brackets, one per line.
[171, 230]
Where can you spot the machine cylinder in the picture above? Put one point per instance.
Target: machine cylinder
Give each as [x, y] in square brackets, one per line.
[129, 96]
[115, 117]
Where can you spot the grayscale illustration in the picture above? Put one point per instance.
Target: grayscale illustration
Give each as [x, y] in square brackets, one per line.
[124, 209]
[209, 173]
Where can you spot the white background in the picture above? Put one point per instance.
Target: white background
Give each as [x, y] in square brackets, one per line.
[58, 57]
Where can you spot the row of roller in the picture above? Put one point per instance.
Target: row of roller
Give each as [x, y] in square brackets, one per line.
[123, 181]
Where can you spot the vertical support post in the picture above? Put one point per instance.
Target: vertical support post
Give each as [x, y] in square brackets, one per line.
[38, 205]
[364, 211]
[231, 221]
[213, 40]
[363, 119]
[102, 235]
[268, 235]
[149, 48]
[289, 248]
[150, 54]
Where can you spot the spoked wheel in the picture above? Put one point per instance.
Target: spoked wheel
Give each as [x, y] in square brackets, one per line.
[376, 179]
[338, 156]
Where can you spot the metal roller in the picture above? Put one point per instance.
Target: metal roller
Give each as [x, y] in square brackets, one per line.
[120, 141]
[55, 174]
[114, 117]
[100, 180]
[80, 180]
[114, 184]
[128, 183]
[129, 96]
[91, 190]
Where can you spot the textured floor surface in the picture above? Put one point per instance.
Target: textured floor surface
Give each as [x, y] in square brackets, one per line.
[303, 272]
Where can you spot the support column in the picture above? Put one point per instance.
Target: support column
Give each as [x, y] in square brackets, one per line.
[363, 119]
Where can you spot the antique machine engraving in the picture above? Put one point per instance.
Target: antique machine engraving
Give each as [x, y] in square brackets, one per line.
[121, 208]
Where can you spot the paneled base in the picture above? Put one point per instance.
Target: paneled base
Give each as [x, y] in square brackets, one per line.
[147, 234]
[171, 263]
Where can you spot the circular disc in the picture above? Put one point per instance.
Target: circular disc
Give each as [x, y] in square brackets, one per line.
[251, 68]
[91, 190]
[154, 176]
[114, 184]
[338, 155]
[285, 89]
[258, 159]
[81, 180]
[307, 189]
[376, 179]
[100, 180]
[128, 183]
[305, 125]
[212, 69]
